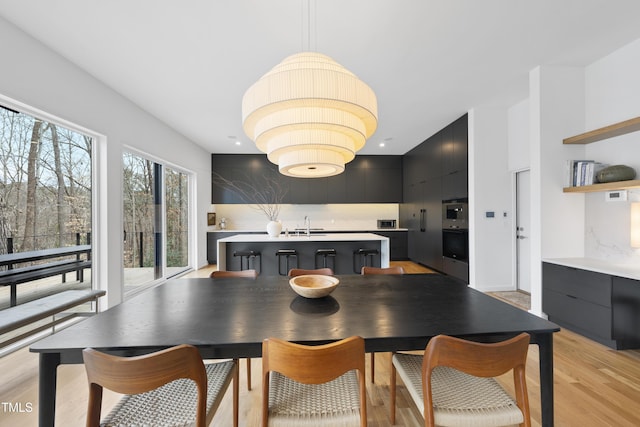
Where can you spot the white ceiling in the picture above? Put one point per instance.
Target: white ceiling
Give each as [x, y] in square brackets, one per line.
[428, 61]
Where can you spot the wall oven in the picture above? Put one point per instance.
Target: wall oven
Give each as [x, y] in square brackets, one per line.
[455, 244]
[455, 229]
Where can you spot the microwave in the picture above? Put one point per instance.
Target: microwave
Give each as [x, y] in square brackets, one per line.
[455, 214]
[386, 223]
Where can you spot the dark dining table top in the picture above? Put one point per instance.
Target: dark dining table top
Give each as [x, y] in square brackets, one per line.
[231, 317]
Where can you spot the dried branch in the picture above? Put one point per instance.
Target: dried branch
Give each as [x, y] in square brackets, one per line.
[265, 196]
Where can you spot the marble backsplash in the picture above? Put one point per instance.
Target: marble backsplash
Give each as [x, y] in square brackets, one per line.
[607, 229]
[329, 216]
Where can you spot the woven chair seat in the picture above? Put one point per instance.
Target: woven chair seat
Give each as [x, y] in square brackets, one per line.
[459, 399]
[335, 403]
[173, 404]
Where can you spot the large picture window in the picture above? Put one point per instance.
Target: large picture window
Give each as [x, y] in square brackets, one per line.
[156, 221]
[45, 198]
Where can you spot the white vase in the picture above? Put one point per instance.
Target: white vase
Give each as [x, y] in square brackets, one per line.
[274, 228]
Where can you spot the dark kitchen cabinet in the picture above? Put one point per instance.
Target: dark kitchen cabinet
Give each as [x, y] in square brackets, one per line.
[599, 306]
[304, 190]
[455, 160]
[397, 244]
[432, 239]
[212, 244]
[367, 179]
[625, 299]
[433, 171]
[243, 168]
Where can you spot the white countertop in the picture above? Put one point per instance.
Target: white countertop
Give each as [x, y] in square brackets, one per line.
[630, 271]
[315, 237]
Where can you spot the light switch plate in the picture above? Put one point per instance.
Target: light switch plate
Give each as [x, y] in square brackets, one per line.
[616, 196]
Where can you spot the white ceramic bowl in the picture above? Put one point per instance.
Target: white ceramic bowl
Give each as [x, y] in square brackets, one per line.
[313, 285]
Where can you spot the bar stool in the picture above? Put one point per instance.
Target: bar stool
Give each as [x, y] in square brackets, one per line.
[247, 255]
[362, 255]
[325, 253]
[287, 253]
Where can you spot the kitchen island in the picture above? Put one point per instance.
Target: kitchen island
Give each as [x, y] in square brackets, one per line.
[305, 246]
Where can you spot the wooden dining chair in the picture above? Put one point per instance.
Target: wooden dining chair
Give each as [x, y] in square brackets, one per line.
[384, 270]
[224, 274]
[366, 270]
[319, 385]
[459, 388]
[169, 387]
[301, 271]
[251, 274]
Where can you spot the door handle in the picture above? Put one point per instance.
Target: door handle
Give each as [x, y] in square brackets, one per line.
[521, 237]
[423, 220]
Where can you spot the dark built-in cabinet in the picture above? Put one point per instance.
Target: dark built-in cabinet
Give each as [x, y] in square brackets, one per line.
[434, 171]
[599, 306]
[366, 179]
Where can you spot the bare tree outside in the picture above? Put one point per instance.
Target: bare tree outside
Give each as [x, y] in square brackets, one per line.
[45, 185]
[144, 212]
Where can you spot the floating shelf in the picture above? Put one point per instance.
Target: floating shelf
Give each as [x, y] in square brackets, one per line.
[607, 186]
[617, 129]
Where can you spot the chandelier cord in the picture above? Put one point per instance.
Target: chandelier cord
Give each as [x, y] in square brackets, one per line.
[307, 46]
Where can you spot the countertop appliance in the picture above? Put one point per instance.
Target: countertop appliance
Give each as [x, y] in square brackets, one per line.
[455, 214]
[386, 223]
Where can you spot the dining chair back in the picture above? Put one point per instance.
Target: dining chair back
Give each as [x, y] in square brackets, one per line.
[459, 387]
[301, 271]
[224, 274]
[382, 270]
[319, 385]
[160, 388]
[220, 274]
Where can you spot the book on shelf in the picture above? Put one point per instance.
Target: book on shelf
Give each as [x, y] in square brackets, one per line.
[581, 172]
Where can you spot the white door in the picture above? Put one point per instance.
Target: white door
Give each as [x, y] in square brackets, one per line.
[523, 226]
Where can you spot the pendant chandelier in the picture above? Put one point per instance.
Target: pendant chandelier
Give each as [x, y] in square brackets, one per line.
[310, 115]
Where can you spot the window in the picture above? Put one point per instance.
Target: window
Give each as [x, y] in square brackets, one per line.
[45, 193]
[156, 221]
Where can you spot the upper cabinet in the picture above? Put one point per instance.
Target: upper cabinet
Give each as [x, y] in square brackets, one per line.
[617, 129]
[367, 179]
[454, 159]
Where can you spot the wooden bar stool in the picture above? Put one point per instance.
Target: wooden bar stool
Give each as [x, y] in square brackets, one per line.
[287, 254]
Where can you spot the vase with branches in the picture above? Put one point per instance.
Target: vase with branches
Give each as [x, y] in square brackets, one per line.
[264, 194]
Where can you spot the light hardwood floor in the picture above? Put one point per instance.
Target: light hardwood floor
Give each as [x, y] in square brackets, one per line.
[594, 386]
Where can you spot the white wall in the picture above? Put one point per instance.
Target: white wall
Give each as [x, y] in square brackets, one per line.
[33, 75]
[518, 136]
[566, 101]
[556, 108]
[490, 243]
[612, 95]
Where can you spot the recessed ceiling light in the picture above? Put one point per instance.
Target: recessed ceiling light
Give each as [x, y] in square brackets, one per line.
[238, 143]
[381, 144]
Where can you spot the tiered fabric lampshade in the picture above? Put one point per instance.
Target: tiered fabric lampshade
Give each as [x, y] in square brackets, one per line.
[310, 115]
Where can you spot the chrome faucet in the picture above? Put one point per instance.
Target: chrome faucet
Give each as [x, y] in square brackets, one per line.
[307, 223]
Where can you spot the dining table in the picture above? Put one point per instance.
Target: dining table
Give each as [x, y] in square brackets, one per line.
[229, 318]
